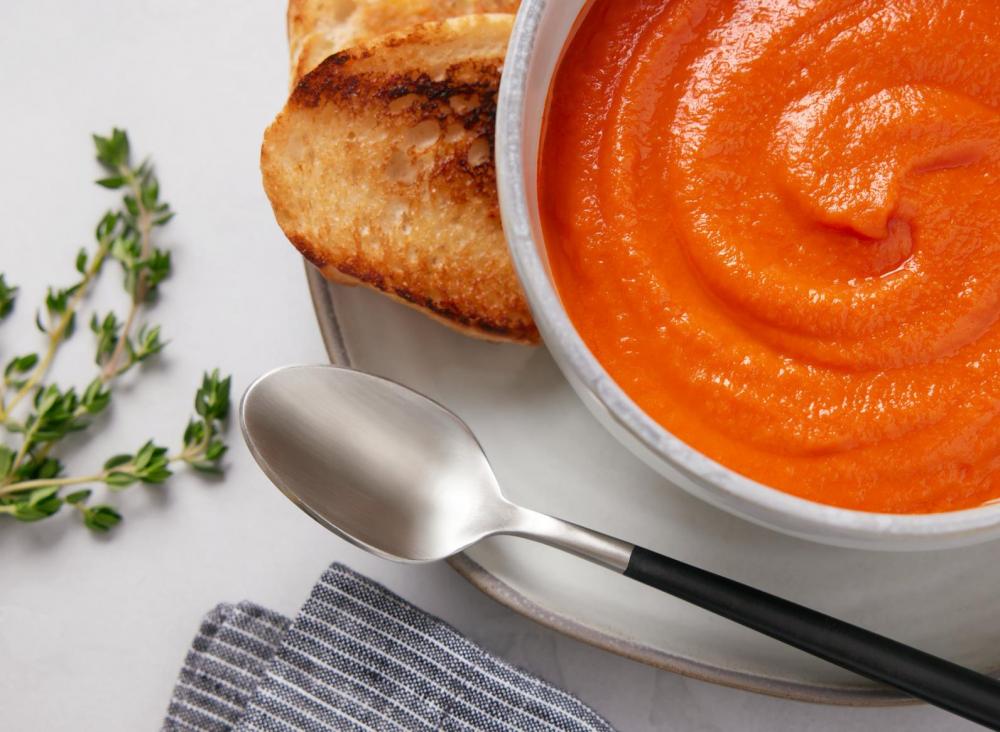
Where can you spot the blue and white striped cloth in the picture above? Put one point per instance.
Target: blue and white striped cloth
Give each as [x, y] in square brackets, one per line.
[357, 657]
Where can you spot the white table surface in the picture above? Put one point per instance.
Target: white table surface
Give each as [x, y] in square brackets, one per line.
[94, 630]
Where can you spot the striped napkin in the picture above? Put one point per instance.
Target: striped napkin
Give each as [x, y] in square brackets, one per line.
[357, 657]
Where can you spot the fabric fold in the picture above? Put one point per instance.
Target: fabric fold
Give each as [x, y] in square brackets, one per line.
[357, 657]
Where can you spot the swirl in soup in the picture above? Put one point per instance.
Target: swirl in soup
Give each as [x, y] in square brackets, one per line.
[775, 224]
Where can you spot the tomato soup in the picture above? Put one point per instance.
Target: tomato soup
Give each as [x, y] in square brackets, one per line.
[776, 223]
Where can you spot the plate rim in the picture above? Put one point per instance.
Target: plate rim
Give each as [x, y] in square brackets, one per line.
[320, 291]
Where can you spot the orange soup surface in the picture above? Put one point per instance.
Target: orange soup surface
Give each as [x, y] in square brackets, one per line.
[777, 224]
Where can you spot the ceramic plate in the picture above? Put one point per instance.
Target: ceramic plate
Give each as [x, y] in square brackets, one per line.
[550, 454]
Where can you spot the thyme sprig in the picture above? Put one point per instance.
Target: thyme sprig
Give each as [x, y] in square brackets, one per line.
[33, 484]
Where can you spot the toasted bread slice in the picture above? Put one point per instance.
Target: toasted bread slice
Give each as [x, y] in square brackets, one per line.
[319, 28]
[380, 170]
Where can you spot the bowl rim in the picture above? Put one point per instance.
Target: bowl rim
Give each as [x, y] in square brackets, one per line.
[735, 492]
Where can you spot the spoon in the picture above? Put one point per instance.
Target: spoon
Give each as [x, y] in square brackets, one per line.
[401, 476]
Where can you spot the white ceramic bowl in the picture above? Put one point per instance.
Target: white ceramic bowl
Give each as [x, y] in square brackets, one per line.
[540, 34]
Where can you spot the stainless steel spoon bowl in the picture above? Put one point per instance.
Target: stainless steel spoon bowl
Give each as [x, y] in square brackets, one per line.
[391, 470]
[404, 478]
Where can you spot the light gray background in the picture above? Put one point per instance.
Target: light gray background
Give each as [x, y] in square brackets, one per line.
[93, 631]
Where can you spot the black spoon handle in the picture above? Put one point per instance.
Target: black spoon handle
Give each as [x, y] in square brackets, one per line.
[942, 683]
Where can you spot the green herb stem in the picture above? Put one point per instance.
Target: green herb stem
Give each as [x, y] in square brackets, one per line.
[57, 333]
[187, 455]
[144, 224]
[27, 485]
[26, 443]
[43, 453]
[111, 369]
